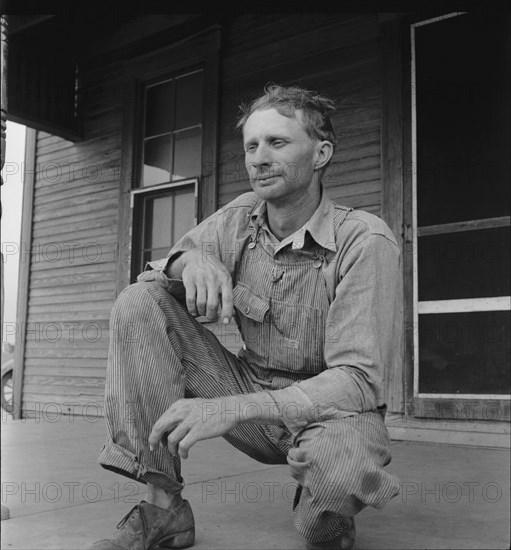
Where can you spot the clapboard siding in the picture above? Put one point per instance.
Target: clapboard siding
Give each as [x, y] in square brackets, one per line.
[89, 372]
[72, 275]
[75, 255]
[76, 349]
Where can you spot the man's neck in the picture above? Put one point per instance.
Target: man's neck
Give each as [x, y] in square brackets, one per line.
[285, 219]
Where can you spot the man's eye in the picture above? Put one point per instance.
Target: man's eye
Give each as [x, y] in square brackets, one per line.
[250, 148]
[278, 143]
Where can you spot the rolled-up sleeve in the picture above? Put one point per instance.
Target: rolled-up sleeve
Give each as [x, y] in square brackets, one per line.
[363, 337]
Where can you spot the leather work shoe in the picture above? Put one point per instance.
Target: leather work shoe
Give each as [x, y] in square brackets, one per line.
[147, 526]
[345, 541]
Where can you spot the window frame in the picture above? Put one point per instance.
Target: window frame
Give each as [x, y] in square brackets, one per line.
[137, 201]
[138, 183]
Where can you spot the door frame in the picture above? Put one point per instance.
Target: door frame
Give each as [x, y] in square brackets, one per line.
[444, 406]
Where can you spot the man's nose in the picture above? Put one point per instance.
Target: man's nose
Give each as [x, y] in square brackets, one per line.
[261, 157]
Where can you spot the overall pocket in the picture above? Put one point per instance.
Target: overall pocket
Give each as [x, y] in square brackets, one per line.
[297, 337]
[252, 317]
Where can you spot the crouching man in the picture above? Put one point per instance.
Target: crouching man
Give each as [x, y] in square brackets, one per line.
[314, 288]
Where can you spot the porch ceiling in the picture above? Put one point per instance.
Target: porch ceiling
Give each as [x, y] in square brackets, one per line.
[47, 51]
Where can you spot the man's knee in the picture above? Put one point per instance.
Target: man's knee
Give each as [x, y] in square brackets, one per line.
[136, 305]
[329, 460]
[129, 302]
[315, 468]
[340, 466]
[137, 299]
[144, 304]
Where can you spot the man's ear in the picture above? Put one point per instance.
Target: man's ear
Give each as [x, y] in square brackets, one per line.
[324, 152]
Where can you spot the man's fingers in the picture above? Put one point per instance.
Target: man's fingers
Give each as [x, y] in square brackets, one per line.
[175, 437]
[186, 443]
[191, 296]
[155, 436]
[213, 301]
[227, 302]
[201, 299]
[205, 284]
[165, 423]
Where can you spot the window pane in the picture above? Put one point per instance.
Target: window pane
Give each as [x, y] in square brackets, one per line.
[159, 109]
[157, 253]
[158, 226]
[464, 352]
[189, 100]
[157, 160]
[468, 264]
[153, 254]
[463, 130]
[184, 213]
[187, 154]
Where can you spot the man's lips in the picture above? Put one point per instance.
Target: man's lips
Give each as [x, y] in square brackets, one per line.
[266, 178]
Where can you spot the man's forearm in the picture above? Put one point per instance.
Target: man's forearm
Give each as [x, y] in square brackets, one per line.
[332, 393]
[265, 407]
[254, 408]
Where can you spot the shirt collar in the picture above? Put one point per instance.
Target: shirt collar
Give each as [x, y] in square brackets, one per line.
[320, 225]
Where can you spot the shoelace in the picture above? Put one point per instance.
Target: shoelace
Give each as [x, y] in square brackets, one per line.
[137, 508]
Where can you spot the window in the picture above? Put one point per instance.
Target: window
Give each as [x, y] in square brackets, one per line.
[169, 147]
[461, 219]
[162, 216]
[166, 201]
[172, 129]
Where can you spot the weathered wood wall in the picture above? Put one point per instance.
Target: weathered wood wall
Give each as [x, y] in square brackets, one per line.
[74, 264]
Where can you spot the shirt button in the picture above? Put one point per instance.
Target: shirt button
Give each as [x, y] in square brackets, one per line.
[317, 264]
[251, 245]
[247, 310]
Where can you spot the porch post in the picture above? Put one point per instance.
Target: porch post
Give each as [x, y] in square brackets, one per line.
[3, 131]
[3, 95]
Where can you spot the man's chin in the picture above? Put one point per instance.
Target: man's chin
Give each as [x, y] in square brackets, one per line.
[268, 192]
[271, 187]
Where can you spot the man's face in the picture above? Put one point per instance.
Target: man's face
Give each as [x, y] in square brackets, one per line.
[279, 155]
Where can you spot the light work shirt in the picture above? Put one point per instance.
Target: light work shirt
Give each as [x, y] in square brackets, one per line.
[320, 311]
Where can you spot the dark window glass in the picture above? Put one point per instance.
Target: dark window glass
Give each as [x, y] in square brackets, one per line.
[188, 100]
[465, 353]
[463, 120]
[467, 264]
[158, 253]
[173, 130]
[167, 217]
[159, 109]
[184, 213]
[187, 153]
[154, 254]
[158, 222]
[157, 157]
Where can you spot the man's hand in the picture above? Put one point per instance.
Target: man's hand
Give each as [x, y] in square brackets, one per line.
[190, 420]
[208, 285]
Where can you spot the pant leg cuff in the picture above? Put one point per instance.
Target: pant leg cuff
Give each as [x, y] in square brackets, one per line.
[121, 461]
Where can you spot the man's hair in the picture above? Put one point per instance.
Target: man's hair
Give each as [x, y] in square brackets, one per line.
[315, 108]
